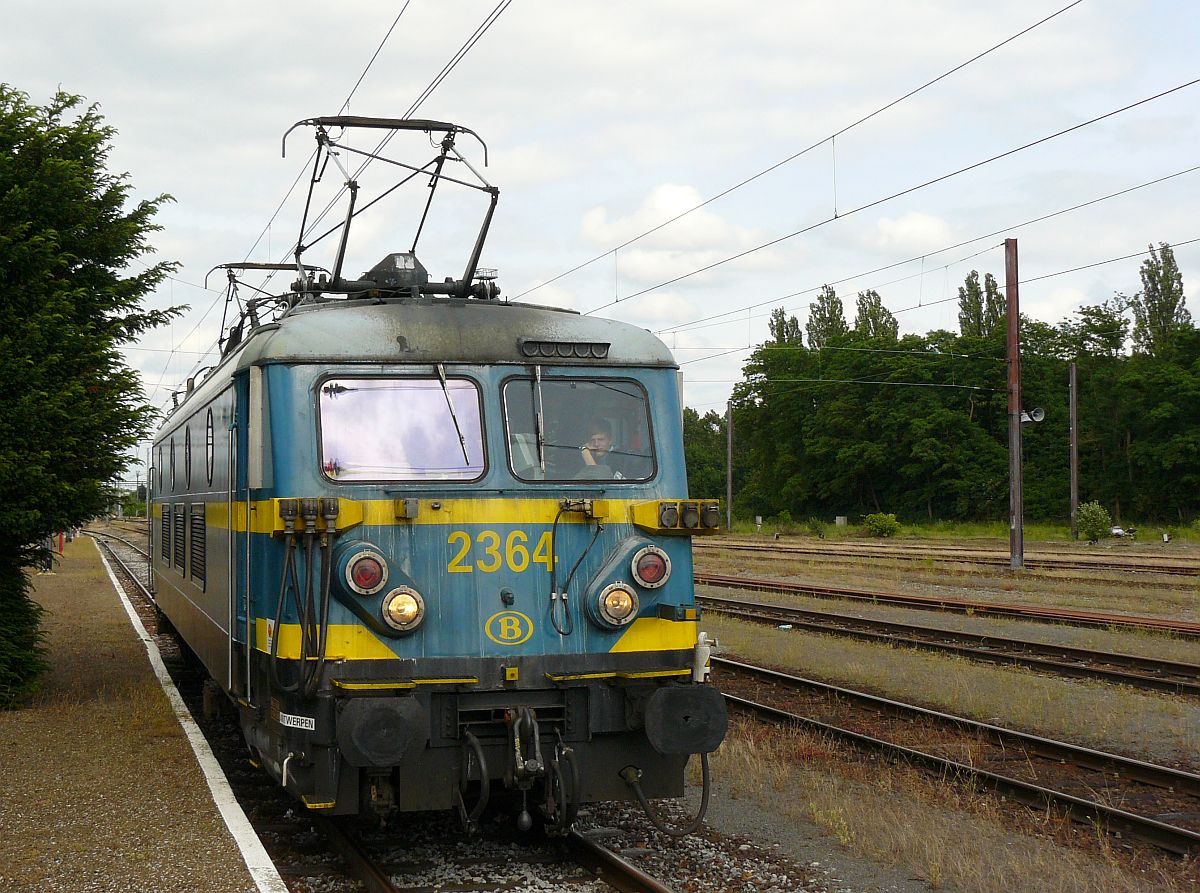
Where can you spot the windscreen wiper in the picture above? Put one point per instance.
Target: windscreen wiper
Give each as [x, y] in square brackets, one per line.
[538, 421]
[462, 441]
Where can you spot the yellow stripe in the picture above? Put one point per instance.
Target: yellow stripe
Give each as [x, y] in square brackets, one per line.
[329, 805]
[572, 677]
[647, 674]
[263, 515]
[371, 686]
[656, 634]
[346, 641]
[413, 683]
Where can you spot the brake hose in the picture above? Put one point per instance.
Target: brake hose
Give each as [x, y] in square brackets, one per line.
[631, 775]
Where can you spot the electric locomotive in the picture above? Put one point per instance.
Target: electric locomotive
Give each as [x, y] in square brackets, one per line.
[435, 546]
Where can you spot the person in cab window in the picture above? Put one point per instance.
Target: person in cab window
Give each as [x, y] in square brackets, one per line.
[599, 462]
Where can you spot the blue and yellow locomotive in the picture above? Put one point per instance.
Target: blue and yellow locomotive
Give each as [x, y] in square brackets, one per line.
[434, 544]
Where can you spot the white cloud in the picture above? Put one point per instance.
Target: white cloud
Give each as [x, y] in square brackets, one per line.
[913, 233]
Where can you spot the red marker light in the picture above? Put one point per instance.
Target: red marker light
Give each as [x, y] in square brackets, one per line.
[651, 567]
[367, 573]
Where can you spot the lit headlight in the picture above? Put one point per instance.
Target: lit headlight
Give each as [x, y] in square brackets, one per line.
[403, 609]
[618, 604]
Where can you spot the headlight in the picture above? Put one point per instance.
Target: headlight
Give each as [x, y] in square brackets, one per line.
[366, 572]
[403, 609]
[618, 604]
[651, 567]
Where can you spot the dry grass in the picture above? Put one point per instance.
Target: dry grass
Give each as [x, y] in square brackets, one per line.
[896, 815]
[1150, 726]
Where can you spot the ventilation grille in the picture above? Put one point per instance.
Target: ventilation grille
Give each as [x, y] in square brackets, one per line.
[164, 534]
[177, 551]
[198, 545]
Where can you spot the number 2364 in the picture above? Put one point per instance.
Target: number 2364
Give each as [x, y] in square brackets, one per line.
[490, 551]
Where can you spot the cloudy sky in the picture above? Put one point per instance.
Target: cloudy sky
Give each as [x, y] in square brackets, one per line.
[604, 119]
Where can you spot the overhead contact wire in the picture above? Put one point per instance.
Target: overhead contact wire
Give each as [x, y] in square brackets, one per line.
[792, 157]
[895, 195]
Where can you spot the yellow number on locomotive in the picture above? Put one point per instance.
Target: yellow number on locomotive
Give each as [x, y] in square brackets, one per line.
[456, 566]
[491, 551]
[515, 556]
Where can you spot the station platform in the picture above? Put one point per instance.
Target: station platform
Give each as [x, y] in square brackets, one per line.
[102, 790]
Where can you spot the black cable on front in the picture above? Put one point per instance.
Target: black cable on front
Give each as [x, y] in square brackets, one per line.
[287, 582]
[567, 627]
[312, 679]
[631, 775]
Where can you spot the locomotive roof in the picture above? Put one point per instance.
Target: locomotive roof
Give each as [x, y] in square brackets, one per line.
[432, 330]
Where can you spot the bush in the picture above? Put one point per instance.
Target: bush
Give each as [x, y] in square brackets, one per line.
[881, 524]
[1093, 521]
[815, 527]
[22, 652]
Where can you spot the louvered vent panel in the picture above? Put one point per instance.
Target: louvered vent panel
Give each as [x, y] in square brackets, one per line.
[164, 532]
[177, 551]
[198, 545]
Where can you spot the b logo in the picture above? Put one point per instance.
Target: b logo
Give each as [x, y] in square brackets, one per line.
[508, 628]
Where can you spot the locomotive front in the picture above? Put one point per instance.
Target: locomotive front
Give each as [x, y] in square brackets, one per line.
[439, 545]
[471, 560]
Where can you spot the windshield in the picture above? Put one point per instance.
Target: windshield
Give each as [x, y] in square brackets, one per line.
[401, 429]
[591, 429]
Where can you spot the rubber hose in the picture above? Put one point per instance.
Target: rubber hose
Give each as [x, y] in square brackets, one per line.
[657, 821]
[284, 578]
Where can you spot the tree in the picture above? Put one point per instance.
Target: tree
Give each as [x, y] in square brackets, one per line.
[1101, 329]
[980, 310]
[704, 452]
[1159, 309]
[826, 319]
[72, 408]
[873, 320]
[784, 329]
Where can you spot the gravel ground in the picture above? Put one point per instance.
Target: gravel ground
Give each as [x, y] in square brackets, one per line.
[101, 789]
[746, 846]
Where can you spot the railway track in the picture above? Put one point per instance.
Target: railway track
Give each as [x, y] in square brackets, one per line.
[1098, 619]
[1033, 560]
[1156, 804]
[374, 862]
[1081, 663]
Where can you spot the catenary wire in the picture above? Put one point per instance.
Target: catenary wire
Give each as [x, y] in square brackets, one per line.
[1000, 288]
[687, 326]
[802, 152]
[895, 195]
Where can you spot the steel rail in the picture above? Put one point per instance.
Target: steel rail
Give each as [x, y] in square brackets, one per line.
[906, 546]
[121, 539]
[373, 878]
[1182, 628]
[121, 563]
[1062, 660]
[1140, 770]
[611, 868]
[979, 557]
[1168, 837]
